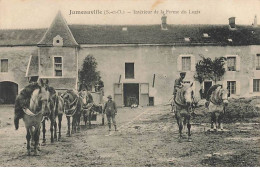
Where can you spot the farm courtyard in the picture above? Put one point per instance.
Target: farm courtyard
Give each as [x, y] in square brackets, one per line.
[147, 137]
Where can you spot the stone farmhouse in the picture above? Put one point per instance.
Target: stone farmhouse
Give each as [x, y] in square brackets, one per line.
[136, 62]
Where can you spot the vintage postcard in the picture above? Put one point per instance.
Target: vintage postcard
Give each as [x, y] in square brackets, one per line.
[129, 83]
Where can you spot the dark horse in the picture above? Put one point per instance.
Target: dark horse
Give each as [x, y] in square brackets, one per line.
[184, 108]
[73, 106]
[32, 104]
[57, 110]
[218, 100]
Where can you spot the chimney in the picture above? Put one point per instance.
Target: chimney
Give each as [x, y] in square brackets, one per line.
[255, 21]
[164, 22]
[232, 22]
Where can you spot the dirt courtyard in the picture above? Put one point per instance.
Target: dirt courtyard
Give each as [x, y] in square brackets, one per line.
[147, 137]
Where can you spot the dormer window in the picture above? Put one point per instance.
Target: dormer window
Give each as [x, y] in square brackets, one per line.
[187, 39]
[205, 35]
[58, 41]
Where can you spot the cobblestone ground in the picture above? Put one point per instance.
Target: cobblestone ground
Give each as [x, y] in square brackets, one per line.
[147, 137]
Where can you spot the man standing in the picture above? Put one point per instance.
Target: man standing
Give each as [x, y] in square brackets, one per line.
[110, 110]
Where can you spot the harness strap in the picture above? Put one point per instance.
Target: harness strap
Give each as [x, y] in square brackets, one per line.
[29, 112]
[73, 109]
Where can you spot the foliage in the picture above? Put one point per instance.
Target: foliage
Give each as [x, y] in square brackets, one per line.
[89, 72]
[210, 69]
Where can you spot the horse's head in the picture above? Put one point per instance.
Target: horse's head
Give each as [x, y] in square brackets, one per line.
[188, 94]
[224, 96]
[84, 96]
[44, 97]
[69, 98]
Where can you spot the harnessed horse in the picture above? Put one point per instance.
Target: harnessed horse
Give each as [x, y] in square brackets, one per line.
[32, 114]
[216, 107]
[73, 106]
[57, 110]
[184, 108]
[89, 107]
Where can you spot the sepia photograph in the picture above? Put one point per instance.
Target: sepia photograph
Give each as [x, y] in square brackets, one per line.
[129, 83]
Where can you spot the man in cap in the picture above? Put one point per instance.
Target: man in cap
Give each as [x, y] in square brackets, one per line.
[178, 84]
[110, 110]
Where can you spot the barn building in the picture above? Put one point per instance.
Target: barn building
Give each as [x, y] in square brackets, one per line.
[136, 62]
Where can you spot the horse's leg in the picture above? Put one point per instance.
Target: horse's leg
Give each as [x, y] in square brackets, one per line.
[68, 122]
[51, 129]
[36, 139]
[220, 117]
[43, 131]
[85, 117]
[78, 122]
[89, 118]
[213, 119]
[60, 119]
[189, 128]
[55, 129]
[28, 138]
[73, 129]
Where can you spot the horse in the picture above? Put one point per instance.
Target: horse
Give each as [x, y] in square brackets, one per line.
[89, 107]
[57, 110]
[184, 108]
[73, 107]
[32, 103]
[218, 101]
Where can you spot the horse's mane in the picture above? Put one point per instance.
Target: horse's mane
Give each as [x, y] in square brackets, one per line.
[211, 89]
[25, 95]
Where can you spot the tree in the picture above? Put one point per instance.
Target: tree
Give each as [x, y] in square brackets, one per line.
[218, 69]
[89, 72]
[210, 69]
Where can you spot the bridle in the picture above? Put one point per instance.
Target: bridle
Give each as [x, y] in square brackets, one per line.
[72, 106]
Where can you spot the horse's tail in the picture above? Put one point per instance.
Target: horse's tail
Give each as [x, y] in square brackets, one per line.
[18, 113]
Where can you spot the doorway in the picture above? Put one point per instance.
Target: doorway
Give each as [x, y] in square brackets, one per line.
[8, 92]
[207, 85]
[131, 94]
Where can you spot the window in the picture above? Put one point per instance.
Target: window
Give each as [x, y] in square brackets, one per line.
[231, 86]
[257, 62]
[58, 66]
[129, 71]
[231, 63]
[4, 65]
[256, 85]
[186, 63]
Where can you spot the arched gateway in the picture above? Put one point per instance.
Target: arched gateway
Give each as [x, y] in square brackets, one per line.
[8, 92]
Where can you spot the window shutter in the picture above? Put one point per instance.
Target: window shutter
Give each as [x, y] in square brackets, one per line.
[238, 87]
[225, 65]
[237, 63]
[250, 85]
[192, 58]
[254, 60]
[225, 84]
[179, 63]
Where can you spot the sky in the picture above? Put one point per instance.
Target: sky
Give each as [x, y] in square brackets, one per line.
[21, 14]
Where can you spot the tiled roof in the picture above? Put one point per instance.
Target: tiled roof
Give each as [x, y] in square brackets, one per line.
[176, 34]
[135, 34]
[14, 37]
[58, 27]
